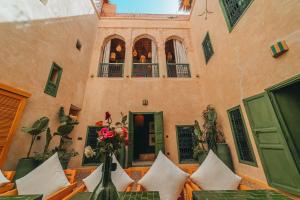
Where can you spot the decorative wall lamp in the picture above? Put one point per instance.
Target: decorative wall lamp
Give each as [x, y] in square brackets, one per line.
[279, 48]
[145, 102]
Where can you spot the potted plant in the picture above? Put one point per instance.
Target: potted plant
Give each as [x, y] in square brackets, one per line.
[213, 136]
[67, 124]
[26, 165]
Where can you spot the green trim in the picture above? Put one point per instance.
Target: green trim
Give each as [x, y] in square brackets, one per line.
[229, 26]
[254, 163]
[192, 161]
[207, 47]
[52, 88]
[270, 91]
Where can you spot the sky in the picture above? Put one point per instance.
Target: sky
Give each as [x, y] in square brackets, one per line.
[147, 6]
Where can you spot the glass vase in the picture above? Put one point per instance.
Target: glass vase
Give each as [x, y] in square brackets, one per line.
[106, 190]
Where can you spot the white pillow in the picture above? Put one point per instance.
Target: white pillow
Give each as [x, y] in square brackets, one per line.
[213, 174]
[3, 179]
[46, 179]
[119, 177]
[165, 177]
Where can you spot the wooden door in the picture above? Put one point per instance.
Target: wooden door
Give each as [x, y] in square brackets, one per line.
[159, 132]
[277, 161]
[12, 103]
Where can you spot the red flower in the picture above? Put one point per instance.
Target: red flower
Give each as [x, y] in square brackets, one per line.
[107, 116]
[125, 135]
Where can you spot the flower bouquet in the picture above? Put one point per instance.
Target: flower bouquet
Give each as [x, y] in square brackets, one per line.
[110, 140]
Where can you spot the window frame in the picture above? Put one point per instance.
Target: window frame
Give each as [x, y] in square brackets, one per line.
[47, 90]
[229, 26]
[191, 161]
[204, 42]
[254, 163]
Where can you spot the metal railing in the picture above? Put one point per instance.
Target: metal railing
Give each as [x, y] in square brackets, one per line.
[145, 70]
[178, 70]
[111, 70]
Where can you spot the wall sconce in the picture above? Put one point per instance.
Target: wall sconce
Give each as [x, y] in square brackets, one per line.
[279, 48]
[145, 102]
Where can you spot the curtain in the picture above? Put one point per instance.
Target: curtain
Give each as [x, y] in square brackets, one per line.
[105, 59]
[154, 59]
[180, 58]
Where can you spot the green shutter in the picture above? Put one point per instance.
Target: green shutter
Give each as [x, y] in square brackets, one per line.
[159, 132]
[277, 161]
[207, 48]
[52, 86]
[91, 140]
[240, 135]
[233, 10]
[130, 139]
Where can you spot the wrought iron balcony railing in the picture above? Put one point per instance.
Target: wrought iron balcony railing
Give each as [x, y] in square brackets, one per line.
[145, 70]
[111, 70]
[178, 70]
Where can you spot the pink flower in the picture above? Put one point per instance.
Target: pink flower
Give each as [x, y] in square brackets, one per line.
[103, 131]
[109, 134]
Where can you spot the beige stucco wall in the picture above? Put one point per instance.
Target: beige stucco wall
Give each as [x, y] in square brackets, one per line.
[26, 55]
[242, 65]
[178, 98]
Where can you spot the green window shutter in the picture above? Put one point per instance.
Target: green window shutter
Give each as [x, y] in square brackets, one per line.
[233, 10]
[91, 140]
[53, 80]
[241, 138]
[277, 161]
[130, 139]
[207, 48]
[185, 143]
[159, 132]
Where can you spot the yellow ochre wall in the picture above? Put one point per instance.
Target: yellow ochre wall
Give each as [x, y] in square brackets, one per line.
[26, 55]
[242, 65]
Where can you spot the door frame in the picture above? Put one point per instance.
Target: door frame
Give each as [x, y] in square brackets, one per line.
[132, 128]
[270, 91]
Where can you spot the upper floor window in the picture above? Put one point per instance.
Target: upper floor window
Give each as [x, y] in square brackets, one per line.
[144, 56]
[207, 48]
[176, 57]
[233, 10]
[53, 80]
[113, 58]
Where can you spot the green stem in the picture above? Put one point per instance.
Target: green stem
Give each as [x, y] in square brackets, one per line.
[32, 141]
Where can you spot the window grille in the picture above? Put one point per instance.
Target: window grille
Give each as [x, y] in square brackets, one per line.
[185, 143]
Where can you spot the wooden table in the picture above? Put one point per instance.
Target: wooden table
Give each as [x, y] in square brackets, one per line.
[238, 194]
[124, 196]
[23, 197]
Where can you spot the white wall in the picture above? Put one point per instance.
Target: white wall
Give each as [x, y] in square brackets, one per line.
[26, 10]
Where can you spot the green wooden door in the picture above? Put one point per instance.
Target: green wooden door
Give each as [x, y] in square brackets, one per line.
[159, 132]
[277, 161]
[130, 139]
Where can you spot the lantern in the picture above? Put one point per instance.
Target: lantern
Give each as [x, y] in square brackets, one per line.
[119, 48]
[134, 53]
[139, 120]
[113, 56]
[143, 59]
[149, 54]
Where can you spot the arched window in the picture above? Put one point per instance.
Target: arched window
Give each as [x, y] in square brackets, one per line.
[144, 56]
[176, 58]
[113, 58]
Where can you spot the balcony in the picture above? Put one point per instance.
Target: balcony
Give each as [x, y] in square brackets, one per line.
[145, 70]
[178, 70]
[111, 70]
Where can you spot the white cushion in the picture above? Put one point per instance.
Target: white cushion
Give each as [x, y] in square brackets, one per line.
[46, 179]
[165, 177]
[213, 174]
[119, 177]
[3, 179]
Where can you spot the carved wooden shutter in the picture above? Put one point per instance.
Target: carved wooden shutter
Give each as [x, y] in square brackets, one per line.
[12, 103]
